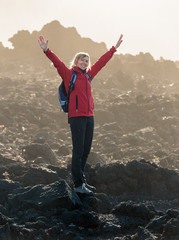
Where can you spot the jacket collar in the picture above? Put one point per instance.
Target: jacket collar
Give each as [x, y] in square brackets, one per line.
[77, 69]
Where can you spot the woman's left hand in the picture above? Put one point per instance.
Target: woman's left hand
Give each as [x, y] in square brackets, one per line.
[119, 42]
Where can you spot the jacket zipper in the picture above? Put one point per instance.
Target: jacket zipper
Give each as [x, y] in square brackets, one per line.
[87, 92]
[76, 103]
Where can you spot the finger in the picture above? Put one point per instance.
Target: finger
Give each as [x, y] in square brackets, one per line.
[121, 37]
[39, 41]
[42, 40]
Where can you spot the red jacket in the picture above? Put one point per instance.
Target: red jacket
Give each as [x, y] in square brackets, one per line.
[81, 100]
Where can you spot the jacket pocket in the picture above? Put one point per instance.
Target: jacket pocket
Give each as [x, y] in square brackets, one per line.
[76, 103]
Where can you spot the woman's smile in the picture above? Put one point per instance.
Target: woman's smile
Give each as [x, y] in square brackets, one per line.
[83, 63]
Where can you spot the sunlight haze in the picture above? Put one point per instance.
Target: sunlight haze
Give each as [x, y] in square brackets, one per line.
[147, 25]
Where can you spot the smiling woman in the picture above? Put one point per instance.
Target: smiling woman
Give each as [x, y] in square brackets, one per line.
[81, 60]
[81, 105]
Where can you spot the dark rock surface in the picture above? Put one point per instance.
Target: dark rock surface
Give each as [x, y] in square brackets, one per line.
[30, 210]
[43, 197]
[134, 160]
[137, 178]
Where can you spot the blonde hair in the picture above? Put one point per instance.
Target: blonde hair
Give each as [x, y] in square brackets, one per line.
[78, 56]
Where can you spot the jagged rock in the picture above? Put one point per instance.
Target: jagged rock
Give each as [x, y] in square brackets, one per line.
[3, 210]
[132, 139]
[38, 175]
[6, 161]
[5, 233]
[172, 213]
[139, 178]
[39, 224]
[171, 230]
[81, 218]
[16, 171]
[63, 150]
[2, 173]
[33, 175]
[35, 150]
[134, 210]
[109, 173]
[7, 187]
[28, 215]
[157, 224]
[143, 234]
[112, 228]
[98, 203]
[131, 215]
[62, 172]
[3, 219]
[95, 158]
[44, 197]
[56, 231]
[40, 161]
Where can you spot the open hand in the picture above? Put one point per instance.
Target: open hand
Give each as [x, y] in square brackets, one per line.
[43, 43]
[119, 41]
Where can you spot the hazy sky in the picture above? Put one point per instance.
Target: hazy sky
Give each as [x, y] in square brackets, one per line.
[147, 25]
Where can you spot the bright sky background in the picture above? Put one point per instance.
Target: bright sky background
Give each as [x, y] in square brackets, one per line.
[147, 25]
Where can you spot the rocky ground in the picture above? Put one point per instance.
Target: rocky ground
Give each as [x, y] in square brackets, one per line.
[133, 164]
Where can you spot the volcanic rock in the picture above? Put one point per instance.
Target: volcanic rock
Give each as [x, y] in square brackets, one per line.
[38, 175]
[81, 218]
[135, 210]
[143, 234]
[171, 230]
[43, 197]
[138, 178]
[7, 187]
[35, 150]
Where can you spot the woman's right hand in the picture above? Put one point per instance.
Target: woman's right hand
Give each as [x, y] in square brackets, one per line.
[43, 44]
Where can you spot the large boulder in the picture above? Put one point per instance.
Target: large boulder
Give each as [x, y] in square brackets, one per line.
[7, 187]
[131, 215]
[143, 234]
[81, 218]
[41, 197]
[137, 179]
[5, 232]
[38, 175]
[134, 210]
[171, 230]
[35, 150]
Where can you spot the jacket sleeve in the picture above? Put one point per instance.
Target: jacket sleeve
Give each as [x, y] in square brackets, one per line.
[63, 71]
[96, 67]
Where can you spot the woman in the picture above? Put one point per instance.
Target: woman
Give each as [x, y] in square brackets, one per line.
[81, 116]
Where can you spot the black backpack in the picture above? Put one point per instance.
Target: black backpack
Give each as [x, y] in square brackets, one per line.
[63, 96]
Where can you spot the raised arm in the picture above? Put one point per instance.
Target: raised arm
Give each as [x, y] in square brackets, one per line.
[63, 71]
[96, 67]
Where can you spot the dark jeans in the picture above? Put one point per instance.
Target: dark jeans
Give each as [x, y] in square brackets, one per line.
[82, 135]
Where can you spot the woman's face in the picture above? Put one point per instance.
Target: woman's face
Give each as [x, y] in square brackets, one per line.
[83, 63]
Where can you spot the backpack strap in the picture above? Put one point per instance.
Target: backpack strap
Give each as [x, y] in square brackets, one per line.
[71, 84]
[89, 77]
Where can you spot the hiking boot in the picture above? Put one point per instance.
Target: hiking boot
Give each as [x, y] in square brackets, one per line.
[83, 189]
[91, 188]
